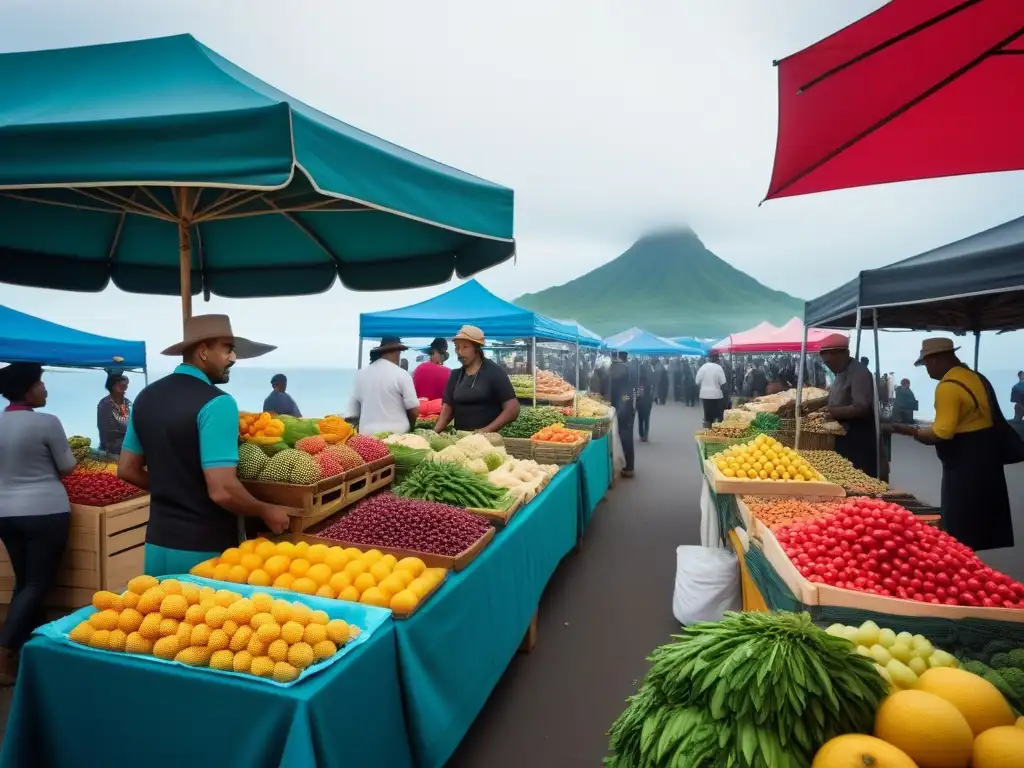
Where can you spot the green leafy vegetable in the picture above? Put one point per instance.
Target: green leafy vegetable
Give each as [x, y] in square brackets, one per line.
[450, 483]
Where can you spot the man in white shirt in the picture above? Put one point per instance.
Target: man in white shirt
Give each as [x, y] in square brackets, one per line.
[710, 379]
[384, 397]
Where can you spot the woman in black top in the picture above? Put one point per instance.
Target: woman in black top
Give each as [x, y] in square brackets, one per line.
[479, 396]
[112, 413]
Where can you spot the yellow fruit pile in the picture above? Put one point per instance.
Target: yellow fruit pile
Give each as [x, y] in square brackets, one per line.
[349, 574]
[219, 629]
[765, 458]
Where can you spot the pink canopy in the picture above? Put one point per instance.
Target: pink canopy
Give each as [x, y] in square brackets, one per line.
[765, 337]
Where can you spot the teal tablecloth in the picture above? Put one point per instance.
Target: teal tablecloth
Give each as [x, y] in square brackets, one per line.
[453, 651]
[73, 707]
[595, 477]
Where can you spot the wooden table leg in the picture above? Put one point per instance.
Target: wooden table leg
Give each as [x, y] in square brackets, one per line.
[530, 638]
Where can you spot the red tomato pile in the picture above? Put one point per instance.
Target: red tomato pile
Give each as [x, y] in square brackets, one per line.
[98, 489]
[871, 546]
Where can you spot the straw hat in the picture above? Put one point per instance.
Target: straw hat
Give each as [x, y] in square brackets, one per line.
[935, 346]
[202, 328]
[470, 333]
[834, 342]
[390, 344]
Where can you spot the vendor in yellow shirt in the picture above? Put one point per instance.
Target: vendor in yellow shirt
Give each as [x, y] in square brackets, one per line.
[975, 502]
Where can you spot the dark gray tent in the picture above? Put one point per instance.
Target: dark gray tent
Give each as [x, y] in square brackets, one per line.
[975, 284]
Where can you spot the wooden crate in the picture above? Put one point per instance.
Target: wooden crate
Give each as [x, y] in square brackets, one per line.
[318, 500]
[355, 484]
[558, 453]
[721, 484]
[499, 518]
[105, 550]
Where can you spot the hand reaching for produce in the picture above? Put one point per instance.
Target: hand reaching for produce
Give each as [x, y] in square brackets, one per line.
[277, 517]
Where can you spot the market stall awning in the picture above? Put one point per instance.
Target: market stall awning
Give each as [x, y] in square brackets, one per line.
[26, 338]
[115, 158]
[974, 284]
[735, 342]
[918, 89]
[471, 304]
[587, 337]
[700, 346]
[637, 341]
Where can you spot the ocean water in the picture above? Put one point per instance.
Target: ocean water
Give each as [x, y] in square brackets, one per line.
[73, 394]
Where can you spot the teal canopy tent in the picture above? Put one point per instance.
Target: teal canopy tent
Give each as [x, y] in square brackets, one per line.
[25, 337]
[161, 166]
[637, 341]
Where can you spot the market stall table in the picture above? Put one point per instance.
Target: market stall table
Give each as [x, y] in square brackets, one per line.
[595, 478]
[78, 707]
[453, 651]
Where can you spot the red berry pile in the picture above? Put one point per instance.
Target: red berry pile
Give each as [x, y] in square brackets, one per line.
[384, 520]
[370, 448]
[98, 489]
[871, 546]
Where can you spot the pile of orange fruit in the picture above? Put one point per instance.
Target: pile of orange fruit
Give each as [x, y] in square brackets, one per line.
[351, 574]
[206, 627]
[559, 433]
[260, 428]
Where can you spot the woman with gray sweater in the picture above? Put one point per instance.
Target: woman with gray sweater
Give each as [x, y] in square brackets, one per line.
[34, 507]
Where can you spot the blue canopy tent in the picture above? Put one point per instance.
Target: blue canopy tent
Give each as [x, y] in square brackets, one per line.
[25, 338]
[163, 167]
[699, 346]
[471, 304]
[637, 341]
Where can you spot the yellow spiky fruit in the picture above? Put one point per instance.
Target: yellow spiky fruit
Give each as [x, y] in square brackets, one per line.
[324, 649]
[242, 662]
[219, 640]
[256, 647]
[82, 633]
[194, 656]
[301, 655]
[337, 631]
[260, 619]
[151, 600]
[100, 639]
[200, 636]
[129, 599]
[292, 632]
[171, 586]
[240, 640]
[262, 666]
[281, 610]
[278, 650]
[166, 648]
[104, 600]
[222, 660]
[216, 616]
[314, 633]
[302, 613]
[230, 627]
[169, 627]
[184, 634]
[150, 627]
[285, 672]
[226, 597]
[138, 644]
[140, 584]
[196, 614]
[191, 593]
[242, 611]
[107, 619]
[174, 606]
[319, 617]
[117, 640]
[268, 632]
[130, 620]
[262, 602]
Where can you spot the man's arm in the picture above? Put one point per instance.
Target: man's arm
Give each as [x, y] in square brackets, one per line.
[862, 394]
[410, 400]
[131, 466]
[218, 454]
[57, 442]
[447, 411]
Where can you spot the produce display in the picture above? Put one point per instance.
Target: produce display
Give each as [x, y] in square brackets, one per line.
[839, 470]
[369, 448]
[203, 627]
[899, 658]
[531, 420]
[762, 423]
[449, 483]
[821, 423]
[260, 428]
[90, 464]
[764, 458]
[430, 408]
[408, 451]
[549, 386]
[872, 546]
[426, 422]
[587, 408]
[778, 511]
[311, 461]
[79, 446]
[559, 433]
[334, 429]
[316, 569]
[755, 690]
[97, 488]
[386, 520]
[522, 478]
[473, 452]
[775, 401]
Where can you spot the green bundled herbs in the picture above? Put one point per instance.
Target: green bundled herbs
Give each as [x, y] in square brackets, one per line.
[755, 690]
[764, 423]
[449, 483]
[532, 420]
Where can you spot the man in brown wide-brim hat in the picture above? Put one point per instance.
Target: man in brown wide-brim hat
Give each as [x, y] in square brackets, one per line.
[973, 442]
[852, 402]
[181, 445]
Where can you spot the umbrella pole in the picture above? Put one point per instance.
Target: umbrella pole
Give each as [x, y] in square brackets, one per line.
[184, 255]
[359, 360]
[800, 387]
[977, 345]
[576, 399]
[533, 348]
[878, 418]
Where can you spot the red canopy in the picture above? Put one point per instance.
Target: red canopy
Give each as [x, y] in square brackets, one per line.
[767, 338]
[918, 89]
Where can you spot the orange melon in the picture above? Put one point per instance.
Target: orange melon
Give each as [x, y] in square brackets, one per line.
[928, 728]
[979, 701]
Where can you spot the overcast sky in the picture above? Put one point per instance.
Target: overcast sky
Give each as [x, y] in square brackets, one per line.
[606, 117]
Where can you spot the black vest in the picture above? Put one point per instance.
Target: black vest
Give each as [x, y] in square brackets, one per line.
[181, 515]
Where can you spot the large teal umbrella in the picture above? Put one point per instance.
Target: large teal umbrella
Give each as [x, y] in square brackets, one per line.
[162, 166]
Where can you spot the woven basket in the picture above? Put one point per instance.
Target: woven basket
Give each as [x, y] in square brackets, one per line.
[557, 453]
[810, 441]
[598, 428]
[519, 447]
